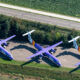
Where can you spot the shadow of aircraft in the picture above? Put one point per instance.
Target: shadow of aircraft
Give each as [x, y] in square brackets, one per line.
[75, 69]
[36, 59]
[63, 48]
[69, 53]
[24, 47]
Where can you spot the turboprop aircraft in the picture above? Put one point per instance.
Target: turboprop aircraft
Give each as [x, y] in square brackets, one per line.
[75, 43]
[3, 43]
[43, 52]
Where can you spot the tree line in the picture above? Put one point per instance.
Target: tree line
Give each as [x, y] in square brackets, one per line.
[44, 34]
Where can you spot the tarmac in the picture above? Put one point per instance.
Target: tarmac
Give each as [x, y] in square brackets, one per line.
[67, 57]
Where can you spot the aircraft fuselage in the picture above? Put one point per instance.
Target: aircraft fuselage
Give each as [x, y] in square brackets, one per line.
[6, 54]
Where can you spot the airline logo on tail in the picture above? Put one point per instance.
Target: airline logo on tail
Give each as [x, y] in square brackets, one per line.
[79, 49]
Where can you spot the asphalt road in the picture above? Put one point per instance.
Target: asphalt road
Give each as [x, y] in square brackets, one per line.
[40, 18]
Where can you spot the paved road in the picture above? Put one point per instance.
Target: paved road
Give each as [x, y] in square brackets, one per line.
[39, 18]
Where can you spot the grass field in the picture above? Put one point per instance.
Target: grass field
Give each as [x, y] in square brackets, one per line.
[66, 7]
[9, 77]
[38, 70]
[6, 76]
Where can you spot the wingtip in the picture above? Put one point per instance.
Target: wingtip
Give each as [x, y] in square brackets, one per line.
[27, 58]
[68, 41]
[78, 64]
[22, 35]
[14, 35]
[61, 41]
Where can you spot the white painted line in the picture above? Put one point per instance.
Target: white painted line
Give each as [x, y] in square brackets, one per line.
[40, 12]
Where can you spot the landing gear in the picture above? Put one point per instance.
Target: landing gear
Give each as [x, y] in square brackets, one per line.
[5, 44]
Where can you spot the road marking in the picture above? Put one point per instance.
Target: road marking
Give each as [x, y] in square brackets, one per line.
[40, 12]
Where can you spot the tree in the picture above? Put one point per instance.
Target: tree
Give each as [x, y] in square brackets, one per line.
[5, 27]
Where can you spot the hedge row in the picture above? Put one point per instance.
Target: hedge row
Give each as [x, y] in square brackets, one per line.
[44, 34]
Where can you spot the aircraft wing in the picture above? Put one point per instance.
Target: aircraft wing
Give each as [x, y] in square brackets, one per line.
[53, 46]
[50, 55]
[5, 52]
[34, 55]
[43, 51]
[78, 64]
[3, 41]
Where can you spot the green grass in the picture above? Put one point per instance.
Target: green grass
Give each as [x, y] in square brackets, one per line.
[5, 78]
[8, 76]
[66, 7]
[33, 64]
[37, 65]
[38, 70]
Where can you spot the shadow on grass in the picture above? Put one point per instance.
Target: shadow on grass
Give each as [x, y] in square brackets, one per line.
[37, 60]
[75, 69]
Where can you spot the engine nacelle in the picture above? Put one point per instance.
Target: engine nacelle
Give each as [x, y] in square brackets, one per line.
[4, 44]
[52, 51]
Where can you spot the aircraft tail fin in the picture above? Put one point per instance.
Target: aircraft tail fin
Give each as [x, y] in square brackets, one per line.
[74, 39]
[28, 32]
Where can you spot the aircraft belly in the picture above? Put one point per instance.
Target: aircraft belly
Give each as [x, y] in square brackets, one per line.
[5, 53]
[2, 51]
[54, 60]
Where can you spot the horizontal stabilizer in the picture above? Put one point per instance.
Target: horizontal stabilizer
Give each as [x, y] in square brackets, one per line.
[28, 32]
[74, 39]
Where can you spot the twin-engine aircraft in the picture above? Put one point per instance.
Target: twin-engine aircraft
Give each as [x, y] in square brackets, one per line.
[3, 43]
[42, 52]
